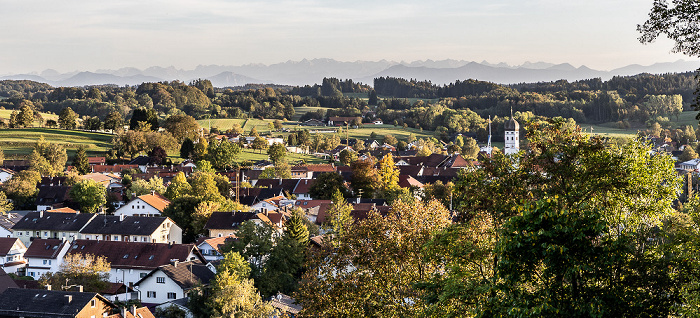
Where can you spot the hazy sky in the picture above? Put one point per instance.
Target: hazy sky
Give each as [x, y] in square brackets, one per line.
[70, 35]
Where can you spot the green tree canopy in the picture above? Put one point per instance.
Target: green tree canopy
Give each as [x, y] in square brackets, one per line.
[89, 194]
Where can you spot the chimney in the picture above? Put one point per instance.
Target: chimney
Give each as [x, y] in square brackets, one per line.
[41, 213]
[123, 311]
[121, 217]
[68, 298]
[133, 310]
[174, 262]
[153, 192]
[80, 288]
[48, 287]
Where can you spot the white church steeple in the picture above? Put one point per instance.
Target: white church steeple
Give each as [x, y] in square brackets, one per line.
[512, 134]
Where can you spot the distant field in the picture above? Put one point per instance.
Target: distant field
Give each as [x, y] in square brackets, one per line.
[5, 114]
[20, 142]
[222, 124]
[300, 111]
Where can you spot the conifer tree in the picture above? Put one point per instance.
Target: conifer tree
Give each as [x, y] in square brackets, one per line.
[296, 228]
[80, 162]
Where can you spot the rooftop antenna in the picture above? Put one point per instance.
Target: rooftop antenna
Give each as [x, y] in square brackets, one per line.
[488, 145]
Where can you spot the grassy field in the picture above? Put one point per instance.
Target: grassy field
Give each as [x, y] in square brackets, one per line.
[5, 114]
[300, 111]
[18, 143]
[255, 155]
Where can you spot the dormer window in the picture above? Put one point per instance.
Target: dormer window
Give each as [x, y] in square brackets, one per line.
[126, 256]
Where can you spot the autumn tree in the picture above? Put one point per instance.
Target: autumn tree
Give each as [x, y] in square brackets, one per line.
[372, 270]
[277, 153]
[87, 270]
[114, 121]
[259, 143]
[142, 186]
[178, 187]
[182, 126]
[49, 159]
[347, 156]
[22, 188]
[365, 179]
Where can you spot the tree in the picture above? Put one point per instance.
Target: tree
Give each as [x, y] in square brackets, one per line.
[187, 149]
[178, 187]
[89, 195]
[259, 143]
[181, 211]
[570, 226]
[232, 296]
[49, 159]
[200, 150]
[254, 132]
[373, 269]
[141, 186]
[204, 186]
[326, 185]
[25, 118]
[87, 270]
[296, 227]
[339, 218]
[470, 150]
[678, 20]
[114, 121]
[364, 177]
[347, 156]
[388, 174]
[158, 155]
[142, 115]
[277, 153]
[22, 188]
[688, 154]
[67, 118]
[80, 161]
[92, 123]
[5, 204]
[222, 154]
[182, 126]
[254, 243]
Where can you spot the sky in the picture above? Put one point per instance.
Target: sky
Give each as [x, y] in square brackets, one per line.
[70, 35]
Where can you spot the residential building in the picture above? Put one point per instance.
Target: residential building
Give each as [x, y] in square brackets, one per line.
[174, 281]
[301, 191]
[18, 302]
[211, 247]
[178, 303]
[12, 255]
[133, 312]
[144, 205]
[131, 261]
[47, 225]
[222, 224]
[45, 255]
[124, 228]
[7, 221]
[52, 196]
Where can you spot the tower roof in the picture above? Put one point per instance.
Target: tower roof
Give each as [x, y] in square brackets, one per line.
[512, 124]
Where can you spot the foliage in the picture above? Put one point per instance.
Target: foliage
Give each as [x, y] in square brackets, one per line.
[178, 187]
[90, 271]
[347, 156]
[296, 227]
[143, 186]
[89, 195]
[373, 268]
[259, 143]
[564, 225]
[339, 219]
[234, 297]
[182, 127]
[80, 161]
[222, 154]
[181, 210]
[277, 153]
[187, 149]
[678, 20]
[326, 185]
[365, 179]
[22, 188]
[5, 204]
[49, 159]
[67, 118]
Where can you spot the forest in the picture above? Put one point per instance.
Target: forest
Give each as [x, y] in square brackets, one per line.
[459, 107]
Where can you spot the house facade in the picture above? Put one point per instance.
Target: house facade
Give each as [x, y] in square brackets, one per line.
[12, 252]
[124, 228]
[174, 281]
[46, 225]
[45, 255]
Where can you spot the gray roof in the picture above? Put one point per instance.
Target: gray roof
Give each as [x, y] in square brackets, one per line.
[130, 225]
[8, 220]
[18, 302]
[512, 124]
[53, 221]
[228, 220]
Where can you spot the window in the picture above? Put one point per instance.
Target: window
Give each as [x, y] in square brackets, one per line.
[160, 280]
[46, 233]
[172, 295]
[142, 275]
[151, 294]
[93, 303]
[126, 256]
[19, 233]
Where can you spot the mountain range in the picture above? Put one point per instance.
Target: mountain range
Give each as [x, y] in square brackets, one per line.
[309, 72]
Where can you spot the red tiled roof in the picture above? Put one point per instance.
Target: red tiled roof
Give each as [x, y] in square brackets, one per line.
[304, 186]
[45, 248]
[324, 167]
[157, 201]
[113, 168]
[408, 181]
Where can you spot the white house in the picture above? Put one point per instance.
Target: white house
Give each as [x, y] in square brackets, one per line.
[46, 225]
[12, 255]
[45, 255]
[149, 229]
[7, 221]
[144, 205]
[131, 261]
[174, 281]
[211, 247]
[691, 164]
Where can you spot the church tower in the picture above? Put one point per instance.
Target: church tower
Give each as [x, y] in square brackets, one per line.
[512, 130]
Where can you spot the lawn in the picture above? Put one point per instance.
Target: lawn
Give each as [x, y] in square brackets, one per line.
[18, 143]
[300, 111]
[5, 114]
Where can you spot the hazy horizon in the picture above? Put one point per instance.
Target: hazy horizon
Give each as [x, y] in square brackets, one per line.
[70, 36]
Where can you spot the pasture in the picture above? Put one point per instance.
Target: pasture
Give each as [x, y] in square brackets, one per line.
[19, 143]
